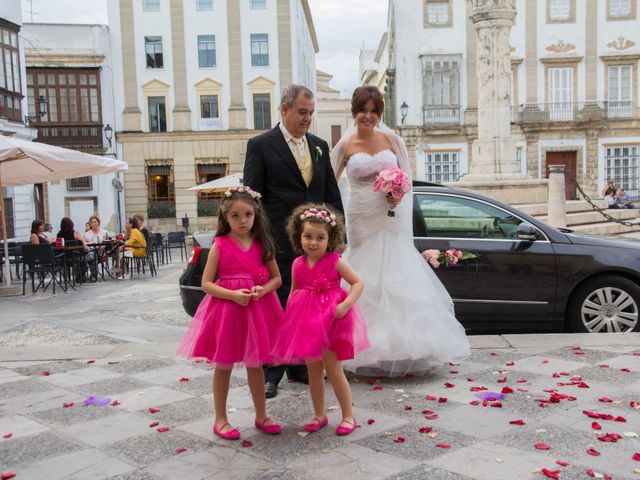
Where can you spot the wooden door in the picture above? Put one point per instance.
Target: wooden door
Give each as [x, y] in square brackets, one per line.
[568, 159]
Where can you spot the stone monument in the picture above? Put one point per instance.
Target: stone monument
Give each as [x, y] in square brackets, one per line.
[494, 168]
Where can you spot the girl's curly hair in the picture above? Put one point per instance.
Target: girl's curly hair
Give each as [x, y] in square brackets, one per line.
[260, 227]
[295, 225]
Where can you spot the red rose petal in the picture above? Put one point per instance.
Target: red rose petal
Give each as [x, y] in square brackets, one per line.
[442, 400]
[596, 426]
[620, 419]
[431, 416]
[453, 371]
[509, 364]
[523, 380]
[430, 397]
[474, 402]
[471, 379]
[493, 354]
[399, 440]
[246, 443]
[184, 379]
[154, 424]
[517, 422]
[67, 405]
[443, 445]
[153, 410]
[7, 435]
[635, 405]
[578, 352]
[112, 363]
[7, 475]
[115, 403]
[605, 400]
[428, 429]
[636, 457]
[542, 446]
[377, 387]
[91, 361]
[449, 385]
[604, 365]
[523, 389]
[407, 407]
[626, 370]
[180, 450]
[370, 421]
[544, 361]
[506, 390]
[496, 404]
[502, 380]
[163, 429]
[46, 373]
[593, 452]
[555, 474]
[562, 463]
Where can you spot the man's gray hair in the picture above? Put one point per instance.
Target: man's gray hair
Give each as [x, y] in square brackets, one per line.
[291, 93]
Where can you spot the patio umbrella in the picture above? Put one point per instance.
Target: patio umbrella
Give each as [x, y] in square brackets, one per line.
[222, 183]
[23, 162]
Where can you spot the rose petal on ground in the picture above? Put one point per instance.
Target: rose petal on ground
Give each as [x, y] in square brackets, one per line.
[431, 416]
[45, 373]
[399, 440]
[523, 380]
[636, 457]
[449, 384]
[502, 380]
[626, 370]
[430, 397]
[153, 410]
[453, 371]
[407, 407]
[184, 379]
[163, 429]
[630, 434]
[425, 429]
[91, 361]
[596, 426]
[442, 400]
[115, 403]
[541, 446]
[471, 379]
[555, 474]
[443, 445]
[593, 452]
[474, 402]
[7, 435]
[604, 365]
[7, 475]
[562, 463]
[544, 361]
[67, 405]
[620, 419]
[370, 421]
[180, 450]
[496, 404]
[605, 400]
[578, 352]
[377, 387]
[154, 424]
[246, 443]
[506, 390]
[517, 422]
[509, 364]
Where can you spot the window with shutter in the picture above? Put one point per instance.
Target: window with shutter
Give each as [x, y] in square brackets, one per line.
[441, 97]
[619, 95]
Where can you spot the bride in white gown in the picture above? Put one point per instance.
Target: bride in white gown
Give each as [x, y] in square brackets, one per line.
[409, 314]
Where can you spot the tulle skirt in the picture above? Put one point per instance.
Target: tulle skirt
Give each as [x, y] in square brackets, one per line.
[227, 334]
[310, 328]
[410, 318]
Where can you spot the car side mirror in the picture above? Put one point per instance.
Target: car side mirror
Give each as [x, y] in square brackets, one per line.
[527, 232]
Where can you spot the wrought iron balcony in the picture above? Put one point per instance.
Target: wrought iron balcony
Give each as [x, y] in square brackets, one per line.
[161, 209]
[582, 111]
[441, 115]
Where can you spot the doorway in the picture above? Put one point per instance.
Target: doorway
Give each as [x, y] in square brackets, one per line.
[569, 160]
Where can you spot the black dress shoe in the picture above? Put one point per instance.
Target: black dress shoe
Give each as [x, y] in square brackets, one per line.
[270, 390]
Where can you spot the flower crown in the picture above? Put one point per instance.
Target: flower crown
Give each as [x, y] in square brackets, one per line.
[323, 215]
[243, 189]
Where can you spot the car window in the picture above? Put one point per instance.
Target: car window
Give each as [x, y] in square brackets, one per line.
[459, 217]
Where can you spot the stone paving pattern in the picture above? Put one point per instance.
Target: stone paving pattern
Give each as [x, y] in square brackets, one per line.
[133, 366]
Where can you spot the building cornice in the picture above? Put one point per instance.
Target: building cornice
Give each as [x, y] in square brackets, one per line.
[560, 60]
[37, 58]
[620, 57]
[310, 26]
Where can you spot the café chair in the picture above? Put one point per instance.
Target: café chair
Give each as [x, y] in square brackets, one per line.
[176, 240]
[41, 261]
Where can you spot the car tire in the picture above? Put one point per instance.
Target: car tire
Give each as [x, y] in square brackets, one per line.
[605, 304]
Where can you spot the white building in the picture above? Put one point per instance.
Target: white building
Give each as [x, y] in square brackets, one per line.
[574, 90]
[20, 204]
[193, 81]
[333, 114]
[69, 65]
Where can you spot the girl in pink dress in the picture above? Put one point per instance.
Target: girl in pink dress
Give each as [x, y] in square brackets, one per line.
[236, 321]
[322, 325]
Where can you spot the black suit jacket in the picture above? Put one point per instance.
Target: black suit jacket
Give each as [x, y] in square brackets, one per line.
[271, 169]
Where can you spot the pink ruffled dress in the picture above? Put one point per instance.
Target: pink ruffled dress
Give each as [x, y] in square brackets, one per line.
[225, 333]
[310, 327]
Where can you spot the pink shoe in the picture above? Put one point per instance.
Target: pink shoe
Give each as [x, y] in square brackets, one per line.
[316, 424]
[230, 435]
[272, 428]
[347, 430]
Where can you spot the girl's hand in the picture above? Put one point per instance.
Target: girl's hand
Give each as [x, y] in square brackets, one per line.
[341, 310]
[242, 296]
[258, 292]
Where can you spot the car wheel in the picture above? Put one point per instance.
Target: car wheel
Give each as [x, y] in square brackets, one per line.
[605, 304]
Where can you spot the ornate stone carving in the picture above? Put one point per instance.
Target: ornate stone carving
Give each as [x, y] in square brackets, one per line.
[621, 43]
[560, 47]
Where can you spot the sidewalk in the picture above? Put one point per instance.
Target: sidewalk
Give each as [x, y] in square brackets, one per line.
[433, 427]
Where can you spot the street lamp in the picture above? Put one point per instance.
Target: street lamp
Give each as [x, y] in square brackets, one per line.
[40, 108]
[108, 133]
[404, 109]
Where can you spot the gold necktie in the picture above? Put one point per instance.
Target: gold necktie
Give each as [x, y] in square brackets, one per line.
[298, 152]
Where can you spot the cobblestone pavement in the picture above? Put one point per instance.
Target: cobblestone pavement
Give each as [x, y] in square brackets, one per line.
[567, 398]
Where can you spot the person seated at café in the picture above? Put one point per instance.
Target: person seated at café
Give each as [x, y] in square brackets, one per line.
[69, 233]
[95, 234]
[622, 199]
[610, 199]
[48, 231]
[38, 236]
[135, 246]
[141, 225]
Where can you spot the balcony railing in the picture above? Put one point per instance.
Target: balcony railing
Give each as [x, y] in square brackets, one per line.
[161, 209]
[441, 115]
[582, 111]
[70, 136]
[208, 207]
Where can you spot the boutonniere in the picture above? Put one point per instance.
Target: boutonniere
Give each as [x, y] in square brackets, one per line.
[318, 151]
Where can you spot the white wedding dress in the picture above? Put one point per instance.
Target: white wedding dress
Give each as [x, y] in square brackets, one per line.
[411, 324]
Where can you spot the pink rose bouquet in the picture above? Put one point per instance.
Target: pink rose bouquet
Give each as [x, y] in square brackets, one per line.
[395, 183]
[448, 257]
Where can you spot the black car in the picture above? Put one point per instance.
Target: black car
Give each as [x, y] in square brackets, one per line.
[527, 275]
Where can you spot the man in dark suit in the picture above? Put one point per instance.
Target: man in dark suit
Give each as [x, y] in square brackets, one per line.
[289, 166]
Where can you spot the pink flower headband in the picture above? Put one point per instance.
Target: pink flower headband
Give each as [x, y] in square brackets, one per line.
[323, 215]
[243, 189]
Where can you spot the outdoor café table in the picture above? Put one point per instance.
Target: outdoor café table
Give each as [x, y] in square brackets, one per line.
[104, 248]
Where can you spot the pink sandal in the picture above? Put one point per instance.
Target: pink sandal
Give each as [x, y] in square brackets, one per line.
[272, 428]
[316, 424]
[230, 435]
[347, 430]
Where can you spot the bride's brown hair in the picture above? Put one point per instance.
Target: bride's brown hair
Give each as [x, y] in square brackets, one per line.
[362, 95]
[295, 225]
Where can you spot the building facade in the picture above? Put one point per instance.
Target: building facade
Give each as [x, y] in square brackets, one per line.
[19, 204]
[69, 68]
[574, 88]
[333, 114]
[193, 81]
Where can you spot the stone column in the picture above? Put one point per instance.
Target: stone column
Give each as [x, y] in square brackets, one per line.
[181, 111]
[131, 112]
[237, 110]
[557, 197]
[494, 151]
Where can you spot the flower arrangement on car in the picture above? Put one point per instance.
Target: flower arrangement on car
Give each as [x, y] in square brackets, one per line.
[395, 183]
[448, 257]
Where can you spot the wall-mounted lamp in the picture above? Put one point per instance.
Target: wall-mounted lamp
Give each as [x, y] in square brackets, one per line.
[108, 133]
[41, 110]
[404, 110]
